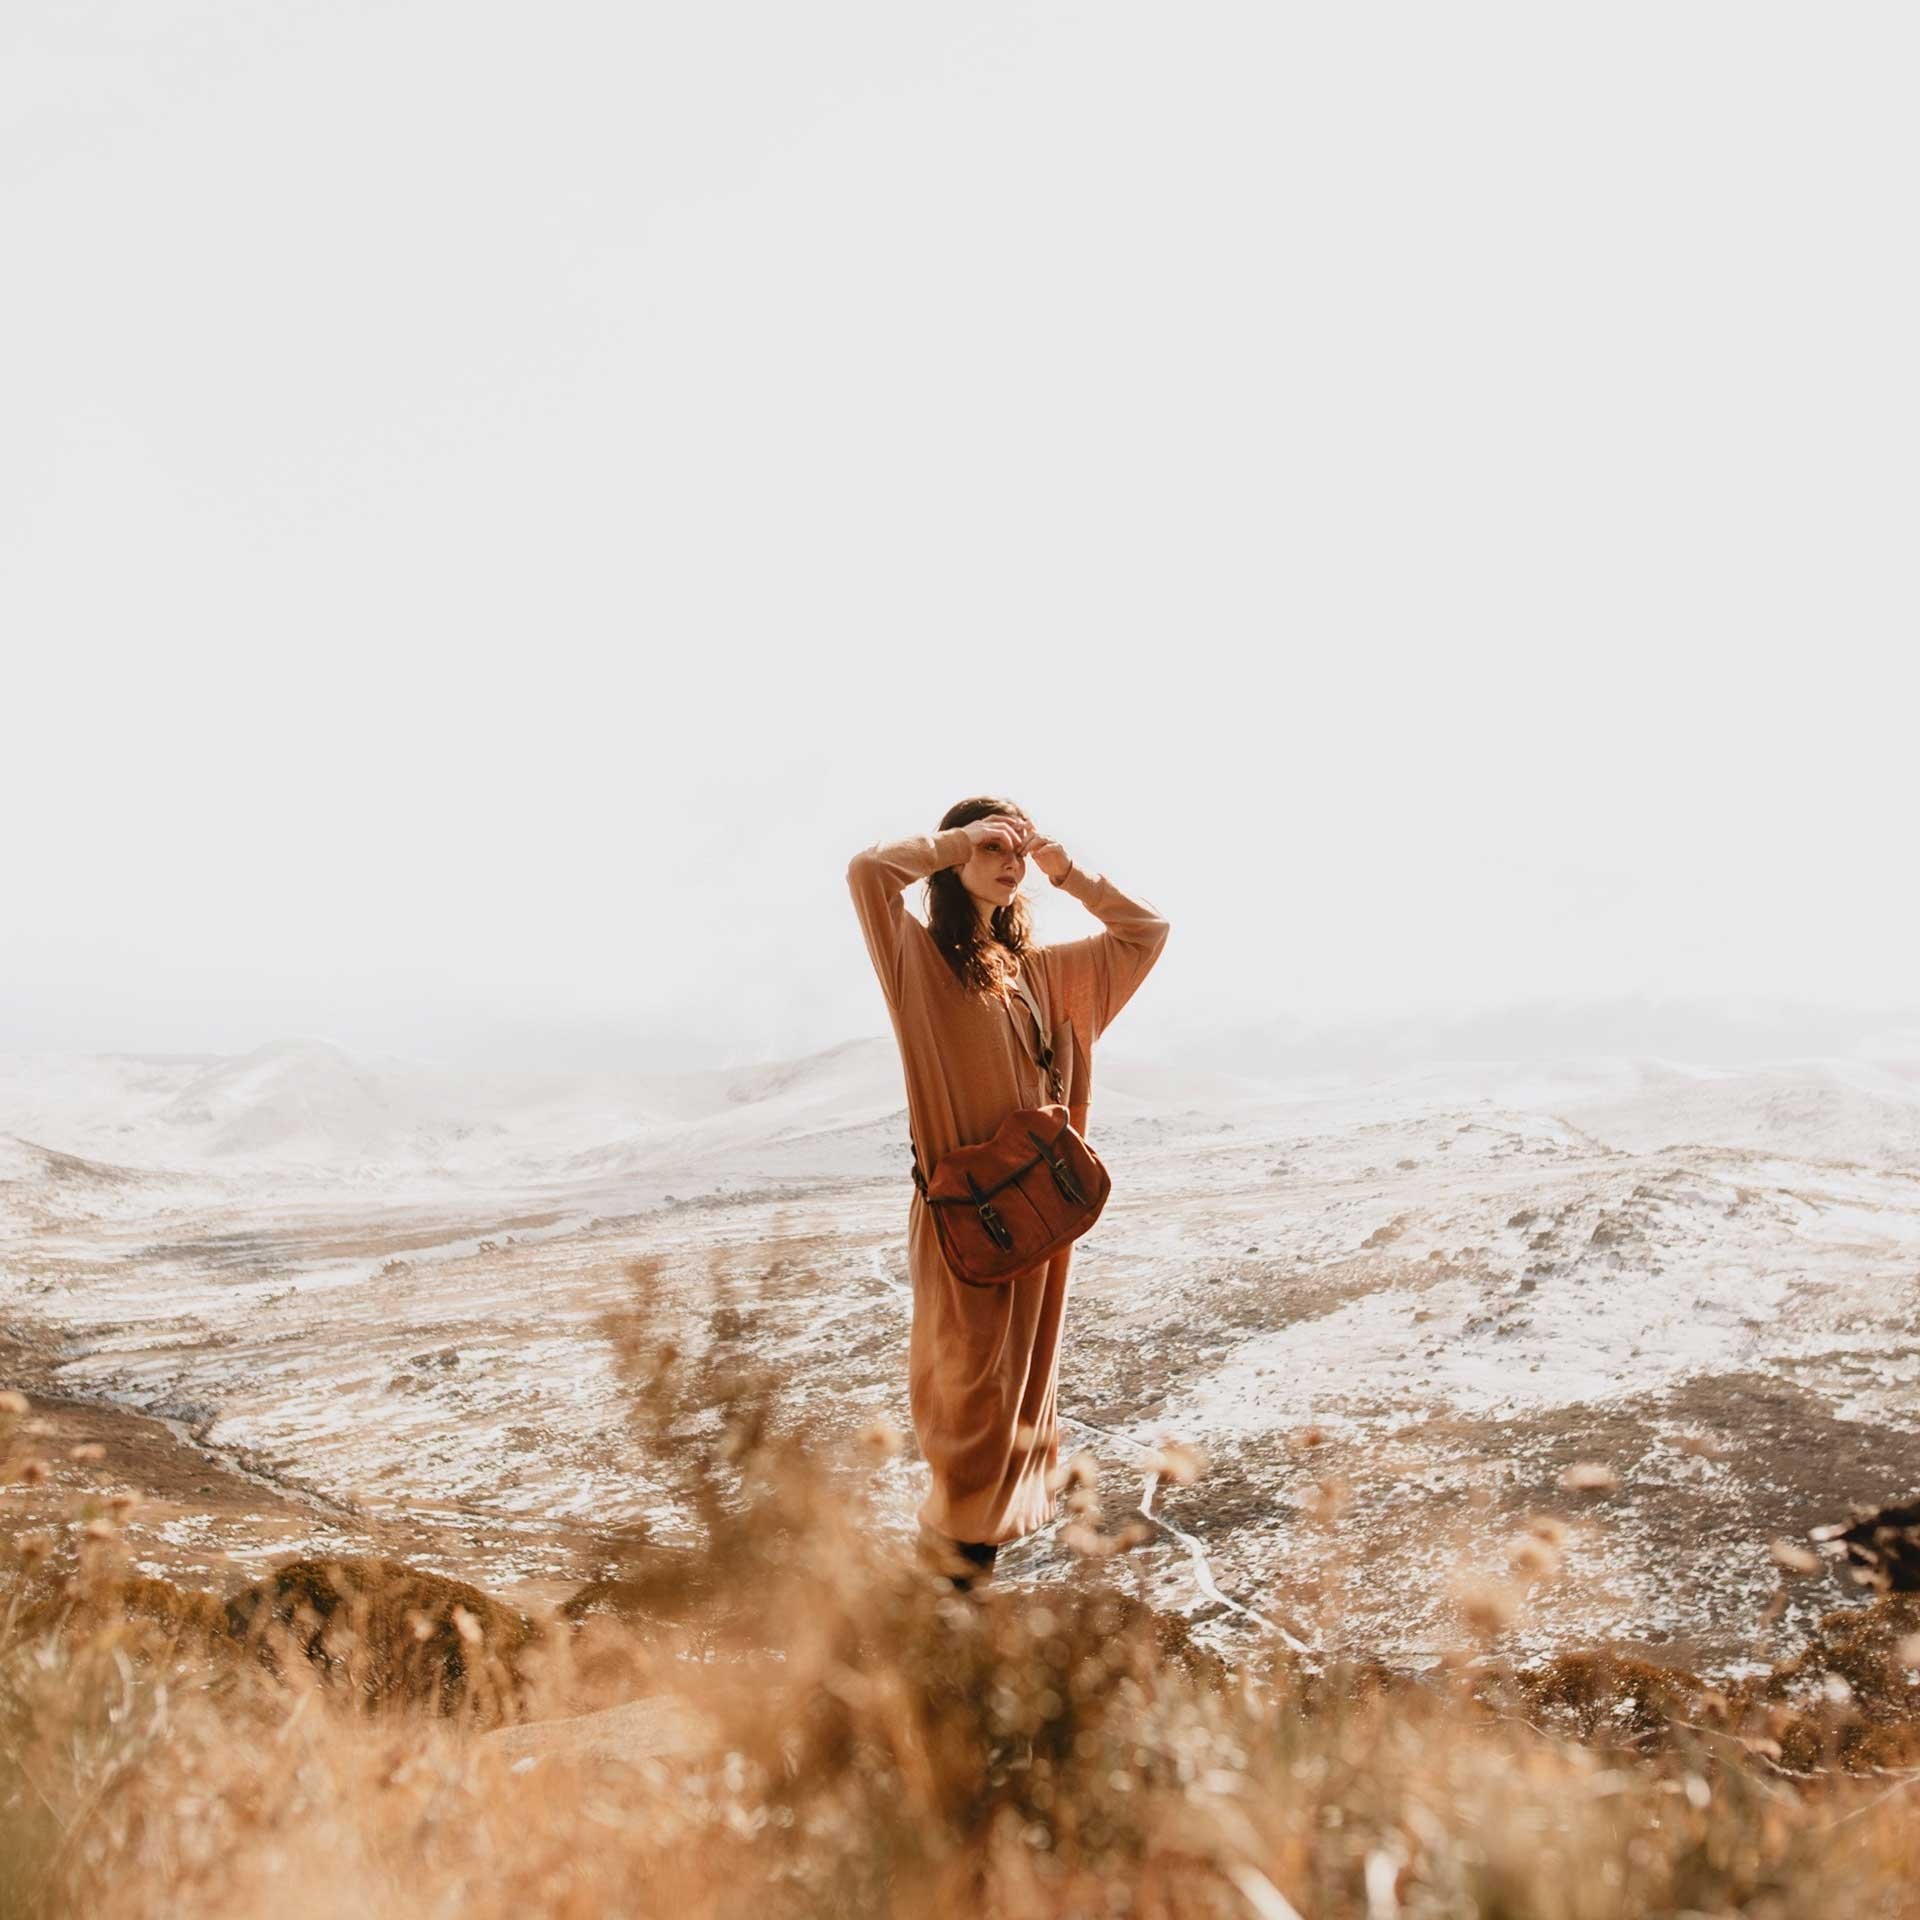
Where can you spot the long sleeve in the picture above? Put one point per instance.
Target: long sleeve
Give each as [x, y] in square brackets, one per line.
[1097, 976]
[878, 875]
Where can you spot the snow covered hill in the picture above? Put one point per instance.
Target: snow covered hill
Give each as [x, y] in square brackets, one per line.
[1459, 1273]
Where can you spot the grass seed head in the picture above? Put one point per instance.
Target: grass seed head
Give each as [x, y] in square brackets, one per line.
[1327, 1500]
[1176, 1461]
[1486, 1608]
[1533, 1559]
[1589, 1476]
[1077, 1470]
[1793, 1557]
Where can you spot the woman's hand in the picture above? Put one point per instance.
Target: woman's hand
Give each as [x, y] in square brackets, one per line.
[997, 834]
[1048, 855]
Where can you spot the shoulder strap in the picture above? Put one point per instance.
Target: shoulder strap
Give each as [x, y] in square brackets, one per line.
[1042, 1053]
[1026, 993]
[1040, 1047]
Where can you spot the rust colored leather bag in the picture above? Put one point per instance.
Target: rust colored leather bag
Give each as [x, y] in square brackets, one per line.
[1010, 1203]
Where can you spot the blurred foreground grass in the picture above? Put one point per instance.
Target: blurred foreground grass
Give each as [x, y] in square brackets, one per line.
[778, 1713]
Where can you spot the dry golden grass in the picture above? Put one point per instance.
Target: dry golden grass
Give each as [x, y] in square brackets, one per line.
[858, 1739]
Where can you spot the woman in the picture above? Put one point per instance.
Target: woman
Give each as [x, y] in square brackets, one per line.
[983, 1362]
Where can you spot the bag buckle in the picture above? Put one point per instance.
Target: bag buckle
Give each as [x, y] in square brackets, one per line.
[1062, 1173]
[990, 1218]
[1053, 1073]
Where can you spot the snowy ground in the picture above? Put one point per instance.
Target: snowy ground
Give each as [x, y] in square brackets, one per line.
[1390, 1312]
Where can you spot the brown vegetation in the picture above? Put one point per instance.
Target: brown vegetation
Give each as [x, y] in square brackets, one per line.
[156, 1615]
[859, 1739]
[393, 1633]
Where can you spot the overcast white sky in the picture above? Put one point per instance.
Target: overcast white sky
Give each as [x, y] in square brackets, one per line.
[497, 503]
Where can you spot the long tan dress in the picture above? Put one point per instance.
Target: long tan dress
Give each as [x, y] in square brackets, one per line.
[983, 1363]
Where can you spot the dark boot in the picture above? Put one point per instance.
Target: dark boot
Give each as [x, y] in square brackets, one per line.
[981, 1553]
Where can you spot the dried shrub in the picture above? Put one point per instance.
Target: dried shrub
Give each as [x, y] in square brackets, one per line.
[1850, 1699]
[151, 1617]
[1602, 1692]
[388, 1633]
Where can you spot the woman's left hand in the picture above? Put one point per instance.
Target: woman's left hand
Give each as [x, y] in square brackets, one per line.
[1048, 855]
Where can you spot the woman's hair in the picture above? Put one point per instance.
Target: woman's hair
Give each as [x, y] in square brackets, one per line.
[979, 961]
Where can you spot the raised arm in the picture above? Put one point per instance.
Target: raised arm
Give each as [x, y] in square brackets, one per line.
[878, 875]
[1097, 976]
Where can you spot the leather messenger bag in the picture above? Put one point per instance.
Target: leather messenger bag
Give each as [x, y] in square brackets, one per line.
[1010, 1203]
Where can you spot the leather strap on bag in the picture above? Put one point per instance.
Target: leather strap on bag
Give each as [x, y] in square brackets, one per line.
[1042, 1051]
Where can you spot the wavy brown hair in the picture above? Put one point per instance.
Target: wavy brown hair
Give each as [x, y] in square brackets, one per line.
[980, 960]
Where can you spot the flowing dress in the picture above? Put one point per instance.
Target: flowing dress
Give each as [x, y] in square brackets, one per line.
[983, 1364]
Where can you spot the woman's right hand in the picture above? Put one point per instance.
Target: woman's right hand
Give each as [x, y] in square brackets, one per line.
[997, 834]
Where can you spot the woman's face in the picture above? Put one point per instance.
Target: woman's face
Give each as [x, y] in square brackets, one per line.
[994, 873]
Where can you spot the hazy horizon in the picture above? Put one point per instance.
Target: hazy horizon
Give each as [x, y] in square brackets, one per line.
[1729, 1033]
